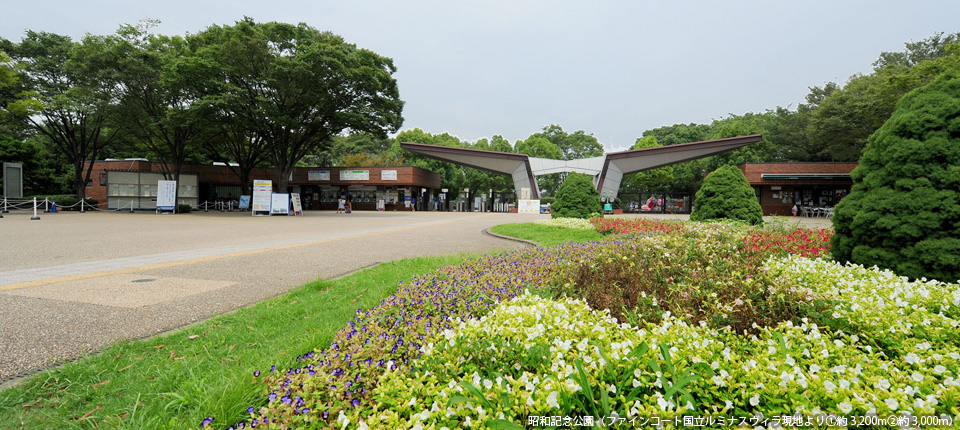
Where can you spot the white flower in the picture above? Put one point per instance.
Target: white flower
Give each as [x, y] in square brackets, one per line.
[413, 402]
[883, 384]
[552, 400]
[362, 425]
[939, 369]
[892, 403]
[912, 358]
[830, 386]
[845, 407]
[755, 400]
[917, 377]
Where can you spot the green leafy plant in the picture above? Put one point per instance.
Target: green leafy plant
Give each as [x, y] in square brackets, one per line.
[577, 198]
[726, 194]
[903, 212]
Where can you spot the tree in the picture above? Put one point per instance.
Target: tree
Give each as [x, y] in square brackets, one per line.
[67, 98]
[903, 211]
[577, 198]
[726, 194]
[930, 48]
[572, 146]
[160, 104]
[297, 87]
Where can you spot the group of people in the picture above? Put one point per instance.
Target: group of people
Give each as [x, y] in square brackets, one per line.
[344, 206]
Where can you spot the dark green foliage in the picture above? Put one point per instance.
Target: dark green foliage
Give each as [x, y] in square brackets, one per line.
[903, 212]
[184, 209]
[726, 194]
[577, 198]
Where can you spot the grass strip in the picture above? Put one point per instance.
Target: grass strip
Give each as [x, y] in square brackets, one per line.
[206, 369]
[546, 235]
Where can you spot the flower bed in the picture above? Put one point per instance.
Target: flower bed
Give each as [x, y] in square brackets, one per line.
[721, 319]
[574, 223]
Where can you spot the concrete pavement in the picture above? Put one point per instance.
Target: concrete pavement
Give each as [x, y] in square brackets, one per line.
[73, 283]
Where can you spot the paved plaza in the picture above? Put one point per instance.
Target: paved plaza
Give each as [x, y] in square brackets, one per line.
[73, 283]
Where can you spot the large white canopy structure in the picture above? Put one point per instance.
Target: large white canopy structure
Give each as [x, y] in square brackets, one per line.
[607, 171]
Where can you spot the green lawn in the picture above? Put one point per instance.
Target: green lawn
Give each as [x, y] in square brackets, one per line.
[546, 235]
[175, 381]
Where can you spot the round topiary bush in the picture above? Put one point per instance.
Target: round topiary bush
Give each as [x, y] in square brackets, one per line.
[725, 193]
[577, 198]
[903, 212]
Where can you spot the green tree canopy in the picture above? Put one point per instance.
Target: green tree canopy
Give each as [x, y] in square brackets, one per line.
[572, 146]
[297, 87]
[903, 212]
[66, 98]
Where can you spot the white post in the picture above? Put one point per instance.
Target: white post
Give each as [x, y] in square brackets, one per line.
[5, 206]
[81, 205]
[46, 205]
[35, 217]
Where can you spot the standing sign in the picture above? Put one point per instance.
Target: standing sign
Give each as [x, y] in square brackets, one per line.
[244, 203]
[166, 195]
[280, 204]
[262, 189]
[297, 207]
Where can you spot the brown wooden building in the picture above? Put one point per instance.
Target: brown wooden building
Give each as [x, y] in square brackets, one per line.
[780, 186]
[132, 183]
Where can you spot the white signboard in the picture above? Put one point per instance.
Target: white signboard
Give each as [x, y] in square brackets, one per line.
[528, 207]
[280, 204]
[262, 189]
[388, 175]
[166, 195]
[297, 207]
[524, 193]
[318, 175]
[354, 175]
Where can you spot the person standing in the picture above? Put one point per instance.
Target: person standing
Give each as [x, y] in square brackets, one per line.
[341, 205]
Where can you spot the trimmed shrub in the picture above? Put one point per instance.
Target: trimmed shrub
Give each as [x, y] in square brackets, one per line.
[184, 209]
[903, 212]
[727, 194]
[577, 198]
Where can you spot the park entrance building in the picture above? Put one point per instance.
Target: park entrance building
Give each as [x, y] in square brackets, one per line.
[607, 171]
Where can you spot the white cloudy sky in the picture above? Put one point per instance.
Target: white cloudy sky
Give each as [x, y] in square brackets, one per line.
[612, 68]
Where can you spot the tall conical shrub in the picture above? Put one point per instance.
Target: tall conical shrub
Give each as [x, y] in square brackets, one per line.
[725, 193]
[577, 198]
[903, 212]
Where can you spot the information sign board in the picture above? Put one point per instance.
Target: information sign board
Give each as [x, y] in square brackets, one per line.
[262, 189]
[354, 175]
[166, 195]
[297, 207]
[280, 204]
[244, 203]
[528, 207]
[318, 175]
[388, 175]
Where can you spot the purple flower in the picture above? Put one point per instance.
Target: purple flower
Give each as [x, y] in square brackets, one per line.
[273, 368]
[250, 410]
[206, 422]
[272, 397]
[355, 402]
[256, 373]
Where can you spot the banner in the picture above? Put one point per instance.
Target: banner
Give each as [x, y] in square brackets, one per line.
[528, 207]
[262, 189]
[166, 195]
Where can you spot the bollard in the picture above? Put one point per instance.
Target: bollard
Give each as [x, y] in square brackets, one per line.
[206, 206]
[46, 205]
[81, 205]
[35, 217]
[131, 206]
[5, 206]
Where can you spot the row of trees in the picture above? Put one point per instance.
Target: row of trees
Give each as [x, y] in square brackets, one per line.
[251, 94]
[832, 124]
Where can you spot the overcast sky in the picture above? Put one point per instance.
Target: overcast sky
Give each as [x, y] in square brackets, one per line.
[612, 68]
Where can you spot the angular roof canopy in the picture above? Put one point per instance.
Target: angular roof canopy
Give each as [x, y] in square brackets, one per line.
[607, 171]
